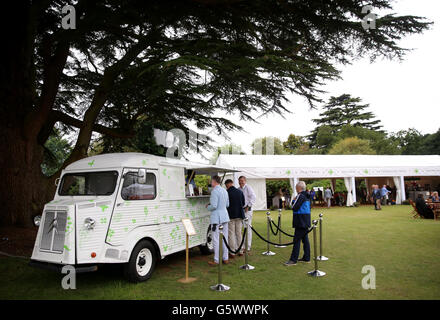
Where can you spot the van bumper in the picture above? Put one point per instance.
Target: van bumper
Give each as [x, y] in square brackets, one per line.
[58, 267]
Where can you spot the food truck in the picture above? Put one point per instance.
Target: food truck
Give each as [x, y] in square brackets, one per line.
[123, 208]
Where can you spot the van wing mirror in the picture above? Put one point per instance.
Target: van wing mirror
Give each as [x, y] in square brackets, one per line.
[142, 176]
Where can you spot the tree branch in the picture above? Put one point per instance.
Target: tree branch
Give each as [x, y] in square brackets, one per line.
[68, 120]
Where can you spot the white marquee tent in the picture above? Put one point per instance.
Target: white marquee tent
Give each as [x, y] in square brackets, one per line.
[258, 168]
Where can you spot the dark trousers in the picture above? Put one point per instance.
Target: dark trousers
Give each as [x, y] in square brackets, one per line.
[300, 235]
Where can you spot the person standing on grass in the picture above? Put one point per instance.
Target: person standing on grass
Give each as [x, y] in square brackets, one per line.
[377, 197]
[301, 223]
[249, 200]
[312, 196]
[218, 204]
[384, 194]
[328, 197]
[236, 216]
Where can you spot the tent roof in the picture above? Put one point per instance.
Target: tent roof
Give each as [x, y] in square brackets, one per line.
[285, 166]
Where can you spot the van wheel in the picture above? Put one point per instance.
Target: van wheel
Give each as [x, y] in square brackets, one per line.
[142, 262]
[208, 247]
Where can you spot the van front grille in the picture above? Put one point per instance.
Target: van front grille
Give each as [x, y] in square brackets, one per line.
[54, 231]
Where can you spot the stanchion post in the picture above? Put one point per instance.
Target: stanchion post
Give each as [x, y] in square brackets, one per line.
[316, 272]
[321, 257]
[268, 252]
[279, 226]
[220, 286]
[246, 265]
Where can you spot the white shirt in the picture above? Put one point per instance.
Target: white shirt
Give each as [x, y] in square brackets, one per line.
[249, 196]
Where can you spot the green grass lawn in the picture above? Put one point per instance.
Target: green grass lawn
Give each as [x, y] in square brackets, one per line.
[404, 251]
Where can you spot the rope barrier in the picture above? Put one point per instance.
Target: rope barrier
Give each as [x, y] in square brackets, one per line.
[279, 230]
[241, 244]
[273, 243]
[278, 226]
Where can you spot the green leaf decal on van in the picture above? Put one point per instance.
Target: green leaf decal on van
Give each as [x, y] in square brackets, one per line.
[111, 232]
[91, 163]
[103, 207]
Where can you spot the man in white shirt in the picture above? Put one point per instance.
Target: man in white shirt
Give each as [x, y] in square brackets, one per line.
[249, 201]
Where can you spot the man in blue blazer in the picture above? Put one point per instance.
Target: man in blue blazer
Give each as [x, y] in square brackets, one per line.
[218, 204]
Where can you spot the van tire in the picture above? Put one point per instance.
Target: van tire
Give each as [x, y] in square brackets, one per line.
[207, 248]
[144, 255]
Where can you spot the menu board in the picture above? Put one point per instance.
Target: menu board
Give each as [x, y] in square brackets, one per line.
[189, 227]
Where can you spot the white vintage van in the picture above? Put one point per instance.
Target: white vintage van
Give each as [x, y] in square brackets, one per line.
[122, 208]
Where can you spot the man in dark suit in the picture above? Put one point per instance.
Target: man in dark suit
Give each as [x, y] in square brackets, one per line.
[236, 216]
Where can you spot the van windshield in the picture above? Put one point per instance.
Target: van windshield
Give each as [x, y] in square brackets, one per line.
[101, 183]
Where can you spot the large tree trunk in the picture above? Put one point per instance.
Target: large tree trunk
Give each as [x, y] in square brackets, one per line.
[23, 187]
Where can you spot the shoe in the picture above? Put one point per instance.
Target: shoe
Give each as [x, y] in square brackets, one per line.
[290, 263]
[303, 260]
[212, 263]
[240, 254]
[225, 261]
[231, 256]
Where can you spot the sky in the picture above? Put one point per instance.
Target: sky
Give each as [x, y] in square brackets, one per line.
[402, 94]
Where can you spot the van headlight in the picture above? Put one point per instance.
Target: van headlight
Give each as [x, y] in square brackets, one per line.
[89, 223]
[37, 220]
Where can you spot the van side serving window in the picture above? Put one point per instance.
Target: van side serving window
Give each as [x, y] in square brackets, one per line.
[101, 183]
[133, 190]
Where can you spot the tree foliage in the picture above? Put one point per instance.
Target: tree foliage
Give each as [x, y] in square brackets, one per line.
[341, 111]
[57, 149]
[274, 186]
[268, 145]
[352, 145]
[167, 62]
[412, 141]
[230, 148]
[294, 143]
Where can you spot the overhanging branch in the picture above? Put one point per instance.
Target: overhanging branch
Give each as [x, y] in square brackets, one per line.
[68, 120]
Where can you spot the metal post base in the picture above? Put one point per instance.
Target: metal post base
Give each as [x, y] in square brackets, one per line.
[322, 258]
[220, 287]
[316, 273]
[247, 267]
[280, 246]
[268, 253]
